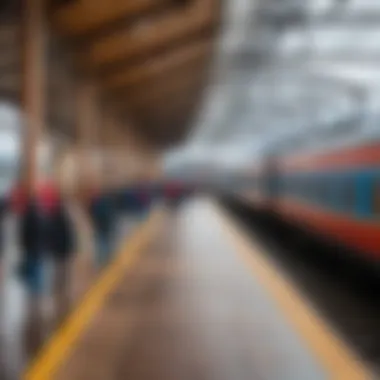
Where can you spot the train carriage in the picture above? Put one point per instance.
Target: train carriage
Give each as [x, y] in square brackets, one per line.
[335, 193]
[328, 184]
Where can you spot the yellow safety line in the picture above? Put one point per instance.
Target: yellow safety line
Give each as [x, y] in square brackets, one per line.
[59, 347]
[338, 360]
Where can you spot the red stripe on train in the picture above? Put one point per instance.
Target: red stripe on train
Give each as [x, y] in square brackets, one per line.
[366, 155]
[361, 235]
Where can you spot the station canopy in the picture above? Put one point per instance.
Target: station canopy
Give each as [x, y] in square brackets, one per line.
[149, 61]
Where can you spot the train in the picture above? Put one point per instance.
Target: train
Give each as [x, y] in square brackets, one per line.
[325, 182]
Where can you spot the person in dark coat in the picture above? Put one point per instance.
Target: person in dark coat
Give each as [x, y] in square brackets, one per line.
[32, 244]
[103, 215]
[61, 233]
[61, 238]
[3, 211]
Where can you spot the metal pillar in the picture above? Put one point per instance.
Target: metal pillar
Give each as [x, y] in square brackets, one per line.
[33, 86]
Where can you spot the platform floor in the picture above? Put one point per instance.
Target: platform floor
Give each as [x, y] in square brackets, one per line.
[188, 308]
[22, 332]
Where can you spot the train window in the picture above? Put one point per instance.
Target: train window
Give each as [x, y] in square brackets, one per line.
[323, 194]
[330, 193]
[285, 185]
[376, 198]
[321, 191]
[312, 184]
[293, 186]
[316, 190]
[296, 186]
[290, 186]
[300, 183]
[310, 192]
[349, 194]
[304, 188]
[279, 185]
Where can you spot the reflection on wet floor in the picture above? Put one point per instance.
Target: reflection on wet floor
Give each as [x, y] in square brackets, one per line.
[26, 323]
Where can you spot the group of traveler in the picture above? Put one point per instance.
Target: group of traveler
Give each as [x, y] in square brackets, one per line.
[46, 233]
[103, 211]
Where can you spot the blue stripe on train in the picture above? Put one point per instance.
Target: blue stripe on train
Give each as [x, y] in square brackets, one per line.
[362, 181]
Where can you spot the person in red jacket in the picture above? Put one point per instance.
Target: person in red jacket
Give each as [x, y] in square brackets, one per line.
[18, 199]
[47, 196]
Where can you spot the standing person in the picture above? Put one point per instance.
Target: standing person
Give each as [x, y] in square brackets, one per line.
[3, 210]
[103, 216]
[18, 199]
[33, 243]
[49, 196]
[61, 245]
[34, 212]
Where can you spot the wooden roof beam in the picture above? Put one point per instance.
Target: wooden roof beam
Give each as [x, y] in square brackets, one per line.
[175, 88]
[168, 107]
[140, 89]
[157, 66]
[162, 117]
[169, 129]
[110, 69]
[87, 16]
[157, 83]
[168, 28]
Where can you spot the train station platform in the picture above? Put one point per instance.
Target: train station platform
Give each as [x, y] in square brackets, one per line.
[26, 324]
[191, 297]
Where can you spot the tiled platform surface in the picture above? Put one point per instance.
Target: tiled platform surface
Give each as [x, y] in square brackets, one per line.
[22, 333]
[190, 309]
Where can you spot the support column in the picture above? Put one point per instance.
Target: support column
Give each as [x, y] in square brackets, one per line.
[87, 135]
[108, 146]
[128, 153]
[33, 87]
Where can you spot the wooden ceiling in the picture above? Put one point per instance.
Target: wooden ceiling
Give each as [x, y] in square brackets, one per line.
[150, 60]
